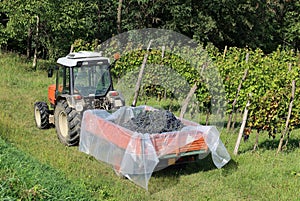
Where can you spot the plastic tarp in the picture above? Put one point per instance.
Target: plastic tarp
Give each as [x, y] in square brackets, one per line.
[137, 155]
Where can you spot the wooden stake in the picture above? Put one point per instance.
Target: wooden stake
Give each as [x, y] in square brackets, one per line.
[190, 94]
[285, 131]
[234, 120]
[237, 93]
[224, 53]
[187, 100]
[256, 141]
[245, 116]
[139, 81]
[163, 48]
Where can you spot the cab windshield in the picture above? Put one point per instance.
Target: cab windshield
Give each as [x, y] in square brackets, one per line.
[92, 79]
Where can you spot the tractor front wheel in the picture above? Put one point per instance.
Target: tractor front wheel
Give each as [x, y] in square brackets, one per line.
[41, 115]
[67, 123]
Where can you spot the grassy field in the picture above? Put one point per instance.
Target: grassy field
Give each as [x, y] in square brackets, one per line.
[34, 165]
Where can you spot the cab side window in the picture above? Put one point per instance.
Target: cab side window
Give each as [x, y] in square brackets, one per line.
[64, 80]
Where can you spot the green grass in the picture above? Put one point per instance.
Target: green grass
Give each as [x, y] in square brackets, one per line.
[35, 165]
[25, 178]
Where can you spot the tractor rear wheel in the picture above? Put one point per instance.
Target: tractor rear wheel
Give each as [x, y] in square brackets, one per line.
[41, 115]
[67, 123]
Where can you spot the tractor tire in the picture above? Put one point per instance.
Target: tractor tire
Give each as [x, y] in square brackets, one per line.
[67, 124]
[41, 115]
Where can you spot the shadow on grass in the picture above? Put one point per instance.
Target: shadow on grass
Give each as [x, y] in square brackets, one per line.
[272, 144]
[230, 168]
[170, 176]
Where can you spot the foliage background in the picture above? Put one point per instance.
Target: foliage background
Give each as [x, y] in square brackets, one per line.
[233, 23]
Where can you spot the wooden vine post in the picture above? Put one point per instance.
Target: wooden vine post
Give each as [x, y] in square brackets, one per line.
[285, 131]
[187, 100]
[237, 113]
[245, 116]
[140, 77]
[237, 93]
[190, 94]
[224, 53]
[256, 140]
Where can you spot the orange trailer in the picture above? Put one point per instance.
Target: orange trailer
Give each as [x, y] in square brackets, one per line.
[137, 155]
[170, 147]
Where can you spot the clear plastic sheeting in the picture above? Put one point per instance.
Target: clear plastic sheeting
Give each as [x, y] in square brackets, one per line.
[137, 155]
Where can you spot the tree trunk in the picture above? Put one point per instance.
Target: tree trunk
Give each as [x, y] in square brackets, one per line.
[99, 6]
[34, 63]
[119, 16]
[28, 48]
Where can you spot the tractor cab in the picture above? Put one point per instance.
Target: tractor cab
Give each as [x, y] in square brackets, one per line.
[84, 80]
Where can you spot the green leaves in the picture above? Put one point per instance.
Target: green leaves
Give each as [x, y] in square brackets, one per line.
[269, 83]
[227, 22]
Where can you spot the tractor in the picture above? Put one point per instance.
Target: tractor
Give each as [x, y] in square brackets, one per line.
[83, 82]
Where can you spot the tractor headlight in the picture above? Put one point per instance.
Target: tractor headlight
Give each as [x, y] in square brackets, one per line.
[76, 102]
[79, 106]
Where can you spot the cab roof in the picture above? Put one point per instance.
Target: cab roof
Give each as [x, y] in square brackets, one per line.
[72, 59]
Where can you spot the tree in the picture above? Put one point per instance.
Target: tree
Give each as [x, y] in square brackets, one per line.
[239, 23]
[20, 19]
[291, 25]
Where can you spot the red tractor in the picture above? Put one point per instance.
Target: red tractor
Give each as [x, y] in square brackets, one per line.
[83, 81]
